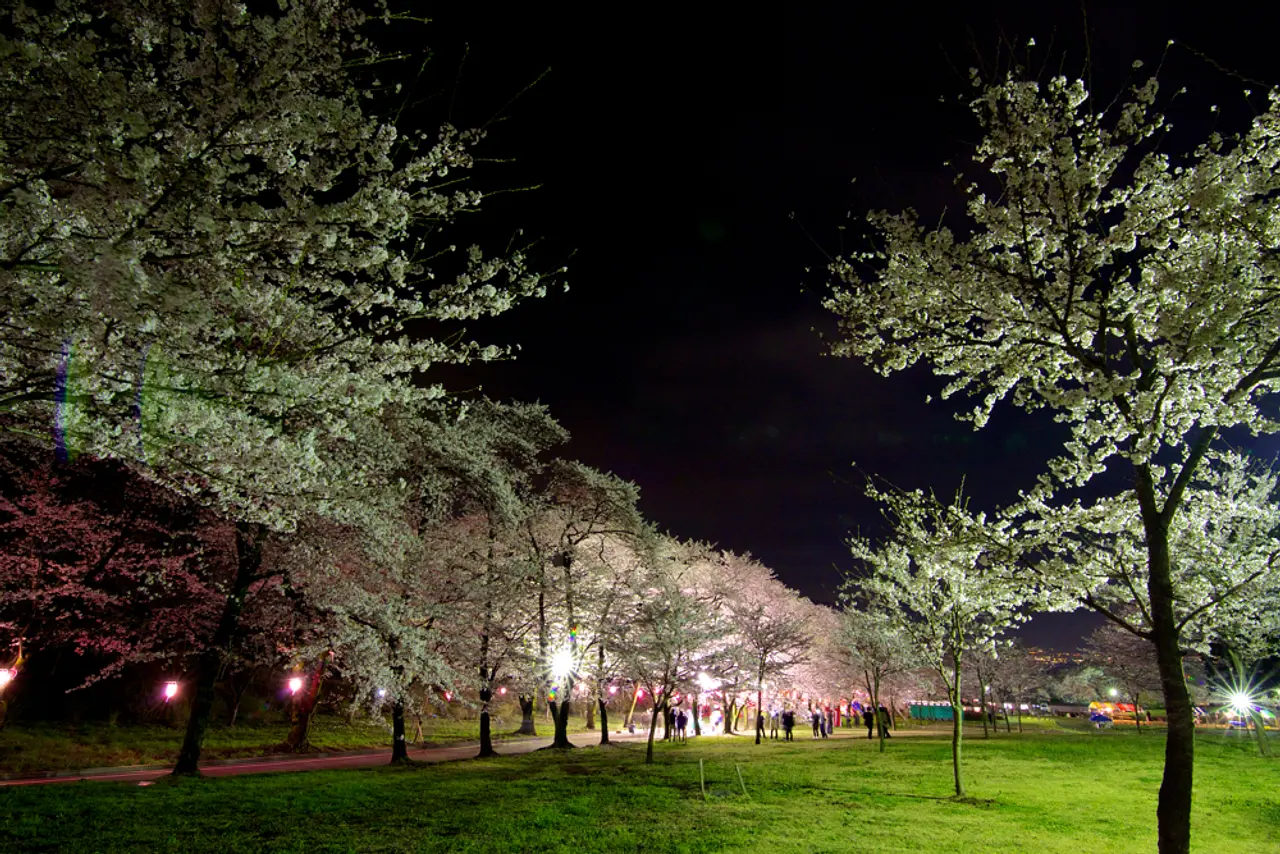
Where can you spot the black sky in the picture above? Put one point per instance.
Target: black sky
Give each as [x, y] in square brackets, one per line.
[672, 144]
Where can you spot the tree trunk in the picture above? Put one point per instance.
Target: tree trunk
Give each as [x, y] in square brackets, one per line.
[527, 724]
[604, 721]
[248, 562]
[697, 714]
[1137, 717]
[239, 695]
[303, 712]
[486, 736]
[561, 739]
[666, 722]
[957, 728]
[626, 721]
[1173, 810]
[591, 716]
[759, 711]
[653, 726]
[982, 696]
[399, 747]
[875, 704]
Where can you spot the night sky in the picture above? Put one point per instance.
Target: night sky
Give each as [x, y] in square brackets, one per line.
[672, 145]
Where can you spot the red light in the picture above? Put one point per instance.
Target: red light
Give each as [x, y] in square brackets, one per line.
[502, 690]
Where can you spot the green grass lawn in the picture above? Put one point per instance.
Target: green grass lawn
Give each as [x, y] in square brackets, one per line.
[1048, 793]
[26, 750]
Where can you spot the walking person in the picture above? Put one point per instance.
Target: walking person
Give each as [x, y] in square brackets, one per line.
[682, 723]
[868, 719]
[814, 718]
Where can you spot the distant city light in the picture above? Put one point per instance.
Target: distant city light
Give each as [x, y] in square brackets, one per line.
[170, 691]
[295, 684]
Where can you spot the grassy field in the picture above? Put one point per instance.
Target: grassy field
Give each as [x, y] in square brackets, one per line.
[1049, 793]
[28, 750]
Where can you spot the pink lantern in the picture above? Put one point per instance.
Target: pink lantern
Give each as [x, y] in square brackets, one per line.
[448, 695]
[295, 684]
[170, 691]
[502, 690]
[639, 693]
[613, 689]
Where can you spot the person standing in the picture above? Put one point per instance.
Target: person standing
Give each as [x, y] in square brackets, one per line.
[774, 714]
[682, 723]
[884, 722]
[788, 724]
[814, 718]
[831, 720]
[868, 719]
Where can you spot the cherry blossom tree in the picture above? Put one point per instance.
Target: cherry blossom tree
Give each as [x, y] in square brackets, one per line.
[219, 257]
[670, 635]
[878, 647]
[770, 624]
[577, 506]
[1124, 286]
[95, 560]
[943, 583]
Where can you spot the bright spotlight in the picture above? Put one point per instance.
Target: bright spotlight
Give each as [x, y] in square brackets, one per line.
[170, 691]
[1241, 703]
[6, 676]
[295, 684]
[562, 663]
[1114, 692]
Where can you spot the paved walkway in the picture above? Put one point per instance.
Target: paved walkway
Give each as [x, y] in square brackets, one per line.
[144, 775]
[317, 762]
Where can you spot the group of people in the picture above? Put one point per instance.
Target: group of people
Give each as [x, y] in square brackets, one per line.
[825, 720]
